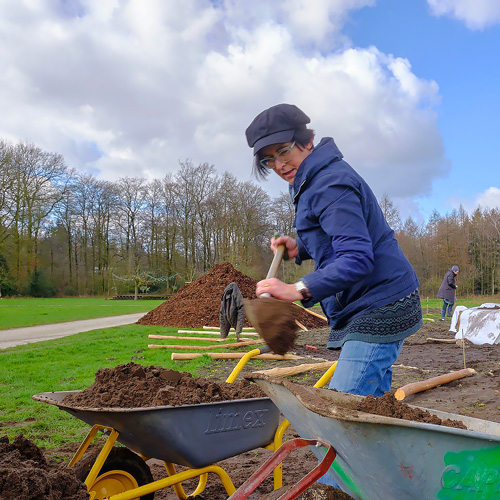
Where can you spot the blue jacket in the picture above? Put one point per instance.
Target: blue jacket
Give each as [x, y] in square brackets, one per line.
[359, 265]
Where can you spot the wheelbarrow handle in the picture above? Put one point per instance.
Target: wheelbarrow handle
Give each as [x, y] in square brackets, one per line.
[243, 361]
[270, 464]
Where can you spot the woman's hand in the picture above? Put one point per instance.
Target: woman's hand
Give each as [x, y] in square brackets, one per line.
[290, 244]
[276, 288]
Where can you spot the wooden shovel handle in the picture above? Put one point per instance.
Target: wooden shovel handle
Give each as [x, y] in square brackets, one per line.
[275, 264]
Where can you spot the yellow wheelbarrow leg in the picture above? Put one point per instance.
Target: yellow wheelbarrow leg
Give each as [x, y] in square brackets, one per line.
[179, 490]
[177, 478]
[278, 437]
[267, 467]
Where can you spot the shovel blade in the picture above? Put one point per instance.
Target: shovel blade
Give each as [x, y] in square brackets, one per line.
[274, 320]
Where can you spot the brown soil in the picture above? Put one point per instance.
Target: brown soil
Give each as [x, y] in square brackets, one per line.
[388, 406]
[136, 386]
[26, 474]
[197, 304]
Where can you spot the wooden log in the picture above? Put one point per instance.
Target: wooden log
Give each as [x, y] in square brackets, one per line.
[231, 355]
[292, 370]
[245, 328]
[181, 337]
[254, 333]
[311, 312]
[415, 387]
[206, 347]
[444, 341]
[301, 326]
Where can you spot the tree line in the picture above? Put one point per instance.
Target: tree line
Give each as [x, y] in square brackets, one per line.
[68, 233]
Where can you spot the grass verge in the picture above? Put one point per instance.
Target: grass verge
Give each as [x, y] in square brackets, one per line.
[15, 313]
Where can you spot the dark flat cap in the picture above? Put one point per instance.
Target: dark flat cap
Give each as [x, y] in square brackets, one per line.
[275, 125]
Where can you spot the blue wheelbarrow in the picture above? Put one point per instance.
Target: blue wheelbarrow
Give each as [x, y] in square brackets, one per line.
[385, 458]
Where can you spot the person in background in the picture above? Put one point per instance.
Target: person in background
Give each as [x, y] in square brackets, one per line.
[447, 292]
[366, 286]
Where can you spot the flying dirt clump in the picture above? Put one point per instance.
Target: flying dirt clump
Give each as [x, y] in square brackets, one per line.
[197, 304]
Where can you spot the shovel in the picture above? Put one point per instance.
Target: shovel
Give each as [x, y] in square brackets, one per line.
[274, 319]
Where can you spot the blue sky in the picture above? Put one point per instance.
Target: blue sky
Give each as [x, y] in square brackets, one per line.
[129, 88]
[465, 64]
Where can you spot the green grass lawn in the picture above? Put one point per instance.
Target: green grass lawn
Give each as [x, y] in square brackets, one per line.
[431, 308]
[28, 312]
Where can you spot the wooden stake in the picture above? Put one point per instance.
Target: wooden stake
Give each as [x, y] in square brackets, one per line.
[181, 337]
[231, 355]
[415, 387]
[245, 328]
[301, 326]
[311, 312]
[213, 333]
[444, 341]
[206, 347]
[292, 370]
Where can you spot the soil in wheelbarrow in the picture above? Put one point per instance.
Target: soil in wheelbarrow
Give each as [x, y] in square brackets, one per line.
[136, 386]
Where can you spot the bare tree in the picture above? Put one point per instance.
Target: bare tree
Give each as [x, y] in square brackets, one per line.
[390, 212]
[40, 180]
[132, 196]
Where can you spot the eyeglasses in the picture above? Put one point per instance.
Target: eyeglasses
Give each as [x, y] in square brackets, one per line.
[283, 156]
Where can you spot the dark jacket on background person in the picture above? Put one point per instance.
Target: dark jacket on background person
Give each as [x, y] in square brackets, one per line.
[359, 265]
[447, 289]
[231, 313]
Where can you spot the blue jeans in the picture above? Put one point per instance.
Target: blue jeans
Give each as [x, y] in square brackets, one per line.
[447, 304]
[363, 368]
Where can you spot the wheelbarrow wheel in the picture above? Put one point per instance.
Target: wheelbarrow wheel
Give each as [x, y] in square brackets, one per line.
[123, 470]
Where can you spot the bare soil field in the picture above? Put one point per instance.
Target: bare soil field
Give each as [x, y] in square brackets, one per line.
[476, 396]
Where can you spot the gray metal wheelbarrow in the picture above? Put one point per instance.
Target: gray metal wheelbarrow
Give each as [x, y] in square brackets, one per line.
[384, 458]
[195, 436]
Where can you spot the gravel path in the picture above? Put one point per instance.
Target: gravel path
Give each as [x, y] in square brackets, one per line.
[27, 335]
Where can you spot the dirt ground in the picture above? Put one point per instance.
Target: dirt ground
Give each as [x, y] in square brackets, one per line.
[197, 304]
[476, 396]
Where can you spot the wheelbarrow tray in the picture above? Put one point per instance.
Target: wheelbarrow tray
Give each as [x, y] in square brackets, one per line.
[385, 458]
[192, 435]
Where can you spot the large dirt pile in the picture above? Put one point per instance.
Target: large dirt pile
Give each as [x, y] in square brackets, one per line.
[136, 386]
[197, 304]
[25, 474]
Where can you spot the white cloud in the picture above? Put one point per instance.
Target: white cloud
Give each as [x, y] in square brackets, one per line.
[129, 88]
[489, 199]
[476, 14]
